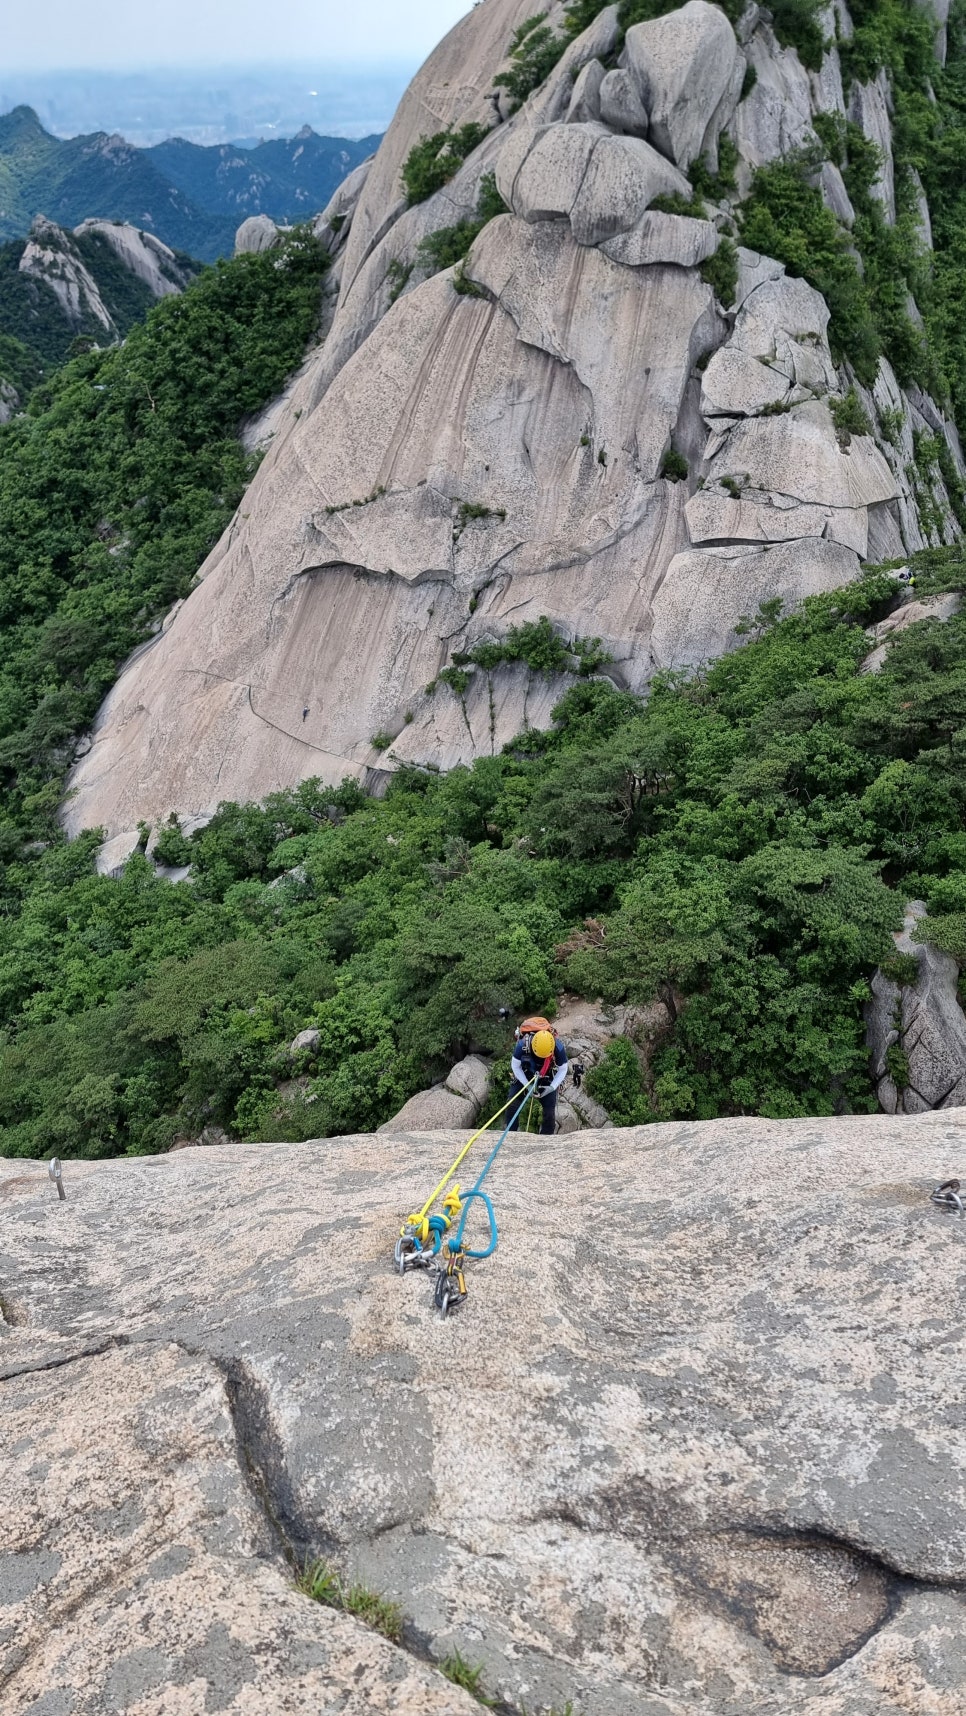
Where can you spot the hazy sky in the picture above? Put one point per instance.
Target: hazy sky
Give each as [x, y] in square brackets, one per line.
[53, 35]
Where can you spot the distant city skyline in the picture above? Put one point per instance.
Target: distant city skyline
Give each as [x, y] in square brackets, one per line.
[221, 104]
[113, 35]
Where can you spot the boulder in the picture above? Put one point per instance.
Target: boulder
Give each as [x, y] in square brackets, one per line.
[690, 1445]
[585, 102]
[602, 183]
[776, 309]
[470, 1078]
[455, 1103]
[9, 401]
[925, 1022]
[259, 232]
[112, 855]
[433, 1110]
[551, 100]
[796, 454]
[688, 71]
[715, 516]
[568, 1120]
[306, 1040]
[545, 184]
[659, 237]
[754, 270]
[619, 104]
[623, 177]
[736, 384]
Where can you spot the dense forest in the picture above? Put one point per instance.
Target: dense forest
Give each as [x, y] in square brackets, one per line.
[742, 842]
[746, 837]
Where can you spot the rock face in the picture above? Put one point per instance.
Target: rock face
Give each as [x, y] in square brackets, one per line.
[692, 1447]
[924, 1022]
[52, 259]
[482, 447]
[49, 256]
[909, 614]
[146, 257]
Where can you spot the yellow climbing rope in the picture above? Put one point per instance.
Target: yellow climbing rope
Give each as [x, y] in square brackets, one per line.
[418, 1224]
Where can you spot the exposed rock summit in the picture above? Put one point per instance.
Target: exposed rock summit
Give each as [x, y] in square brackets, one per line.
[497, 442]
[693, 1447]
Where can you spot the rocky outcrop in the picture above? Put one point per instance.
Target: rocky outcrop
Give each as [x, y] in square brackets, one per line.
[455, 1103]
[492, 444]
[909, 614]
[146, 257]
[692, 1445]
[916, 1031]
[688, 71]
[257, 233]
[49, 257]
[72, 277]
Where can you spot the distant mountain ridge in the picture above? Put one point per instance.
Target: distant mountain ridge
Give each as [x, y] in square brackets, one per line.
[96, 281]
[189, 195]
[286, 178]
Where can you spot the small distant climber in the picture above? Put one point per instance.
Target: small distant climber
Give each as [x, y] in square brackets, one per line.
[539, 1052]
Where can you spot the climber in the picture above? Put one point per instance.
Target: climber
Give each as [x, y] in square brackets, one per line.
[539, 1052]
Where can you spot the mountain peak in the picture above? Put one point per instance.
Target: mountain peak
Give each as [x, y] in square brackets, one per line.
[21, 122]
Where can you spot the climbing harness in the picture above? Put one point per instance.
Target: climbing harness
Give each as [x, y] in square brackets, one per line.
[421, 1235]
[947, 1196]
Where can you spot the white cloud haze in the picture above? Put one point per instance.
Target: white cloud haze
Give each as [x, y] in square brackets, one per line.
[64, 34]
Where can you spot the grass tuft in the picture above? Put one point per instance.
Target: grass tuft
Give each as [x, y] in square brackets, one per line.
[322, 1583]
[461, 1673]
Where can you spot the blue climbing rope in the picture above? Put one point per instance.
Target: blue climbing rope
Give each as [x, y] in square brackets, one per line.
[477, 1193]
